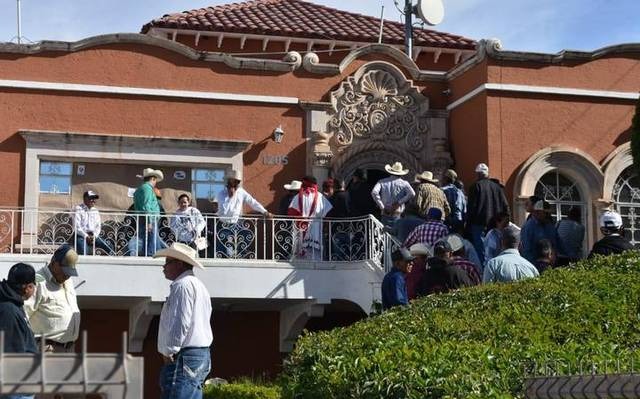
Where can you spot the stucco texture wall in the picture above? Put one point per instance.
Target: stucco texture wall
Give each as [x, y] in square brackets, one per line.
[136, 65]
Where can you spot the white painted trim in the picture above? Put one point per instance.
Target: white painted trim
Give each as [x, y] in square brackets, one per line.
[140, 91]
[562, 91]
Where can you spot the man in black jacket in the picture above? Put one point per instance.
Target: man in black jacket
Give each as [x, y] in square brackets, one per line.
[486, 200]
[442, 275]
[613, 241]
[17, 288]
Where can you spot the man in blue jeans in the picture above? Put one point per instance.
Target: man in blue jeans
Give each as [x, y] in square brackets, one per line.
[184, 334]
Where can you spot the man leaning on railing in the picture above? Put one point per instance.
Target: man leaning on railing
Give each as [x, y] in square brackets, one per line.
[234, 238]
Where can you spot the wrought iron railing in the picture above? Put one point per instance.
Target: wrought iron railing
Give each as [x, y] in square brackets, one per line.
[40, 231]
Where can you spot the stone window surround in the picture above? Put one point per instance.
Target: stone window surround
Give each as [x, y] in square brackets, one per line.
[144, 150]
[594, 181]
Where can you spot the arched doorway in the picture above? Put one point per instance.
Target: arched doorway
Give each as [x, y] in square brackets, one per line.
[563, 193]
[626, 201]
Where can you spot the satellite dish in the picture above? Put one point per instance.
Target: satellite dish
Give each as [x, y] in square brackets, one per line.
[430, 11]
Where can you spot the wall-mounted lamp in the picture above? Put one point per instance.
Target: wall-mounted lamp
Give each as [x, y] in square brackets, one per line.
[278, 134]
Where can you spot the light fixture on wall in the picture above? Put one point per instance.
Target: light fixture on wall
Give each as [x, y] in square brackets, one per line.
[278, 134]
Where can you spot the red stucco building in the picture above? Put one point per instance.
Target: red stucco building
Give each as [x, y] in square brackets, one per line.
[204, 90]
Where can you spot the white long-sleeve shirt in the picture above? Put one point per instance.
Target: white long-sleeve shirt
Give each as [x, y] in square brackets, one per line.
[185, 320]
[53, 309]
[392, 189]
[187, 224]
[230, 208]
[86, 219]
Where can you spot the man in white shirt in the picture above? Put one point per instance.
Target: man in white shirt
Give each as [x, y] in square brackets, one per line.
[391, 193]
[184, 333]
[235, 237]
[87, 224]
[53, 310]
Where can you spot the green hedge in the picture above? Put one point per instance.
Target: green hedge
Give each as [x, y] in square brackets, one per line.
[477, 342]
[244, 389]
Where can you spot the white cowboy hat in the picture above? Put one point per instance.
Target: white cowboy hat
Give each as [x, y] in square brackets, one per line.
[153, 172]
[396, 169]
[295, 185]
[426, 176]
[181, 252]
[233, 174]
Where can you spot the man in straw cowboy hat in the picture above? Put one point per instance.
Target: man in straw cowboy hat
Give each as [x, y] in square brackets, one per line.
[184, 333]
[391, 193]
[429, 195]
[234, 239]
[145, 203]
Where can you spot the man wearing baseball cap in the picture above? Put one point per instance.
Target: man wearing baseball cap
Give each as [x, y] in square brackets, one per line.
[486, 200]
[394, 284]
[87, 223]
[53, 311]
[613, 241]
[18, 287]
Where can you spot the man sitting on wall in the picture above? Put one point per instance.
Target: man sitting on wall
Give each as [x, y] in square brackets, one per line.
[394, 285]
[87, 223]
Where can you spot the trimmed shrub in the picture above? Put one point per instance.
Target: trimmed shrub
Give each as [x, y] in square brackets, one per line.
[243, 389]
[479, 342]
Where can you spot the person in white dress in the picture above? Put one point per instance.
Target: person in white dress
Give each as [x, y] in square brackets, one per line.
[187, 223]
[313, 206]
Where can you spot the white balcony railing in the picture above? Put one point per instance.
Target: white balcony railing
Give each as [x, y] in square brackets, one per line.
[40, 231]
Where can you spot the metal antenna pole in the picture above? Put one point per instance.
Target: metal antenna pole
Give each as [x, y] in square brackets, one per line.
[408, 28]
[19, 24]
[381, 24]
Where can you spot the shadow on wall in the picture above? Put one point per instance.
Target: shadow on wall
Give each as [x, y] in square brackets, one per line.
[16, 145]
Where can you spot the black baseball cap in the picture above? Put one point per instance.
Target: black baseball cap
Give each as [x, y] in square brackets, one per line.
[21, 274]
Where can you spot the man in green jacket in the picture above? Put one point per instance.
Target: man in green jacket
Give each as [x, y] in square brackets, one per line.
[147, 207]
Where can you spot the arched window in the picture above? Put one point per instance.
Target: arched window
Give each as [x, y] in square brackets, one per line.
[626, 197]
[562, 193]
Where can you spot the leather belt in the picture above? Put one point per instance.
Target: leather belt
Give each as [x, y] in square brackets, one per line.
[65, 345]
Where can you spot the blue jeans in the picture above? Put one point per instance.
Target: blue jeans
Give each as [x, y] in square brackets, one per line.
[183, 379]
[17, 396]
[147, 242]
[475, 233]
[389, 221]
[82, 246]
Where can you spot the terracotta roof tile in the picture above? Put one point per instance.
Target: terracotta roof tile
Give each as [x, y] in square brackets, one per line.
[298, 18]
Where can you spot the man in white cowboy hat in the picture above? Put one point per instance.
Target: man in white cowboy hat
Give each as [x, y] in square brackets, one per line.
[391, 193]
[429, 195]
[291, 191]
[146, 204]
[235, 239]
[184, 333]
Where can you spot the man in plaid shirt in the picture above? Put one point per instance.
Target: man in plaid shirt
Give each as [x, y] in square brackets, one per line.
[458, 258]
[430, 231]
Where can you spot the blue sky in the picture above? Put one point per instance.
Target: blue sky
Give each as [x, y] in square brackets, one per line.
[530, 25]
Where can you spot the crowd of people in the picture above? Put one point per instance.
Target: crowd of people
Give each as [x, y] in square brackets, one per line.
[469, 238]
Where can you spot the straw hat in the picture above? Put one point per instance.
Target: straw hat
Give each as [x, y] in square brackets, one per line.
[233, 174]
[420, 249]
[427, 176]
[181, 252]
[396, 169]
[153, 172]
[295, 185]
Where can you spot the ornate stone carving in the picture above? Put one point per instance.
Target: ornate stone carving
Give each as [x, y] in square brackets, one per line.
[379, 105]
[322, 158]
